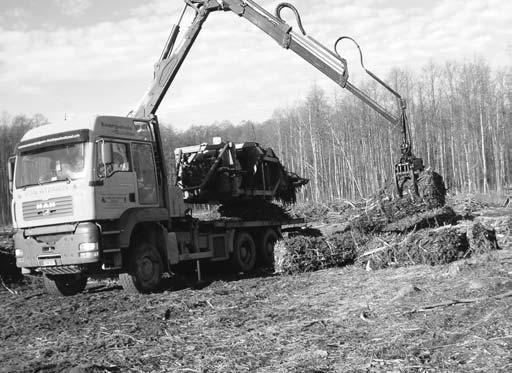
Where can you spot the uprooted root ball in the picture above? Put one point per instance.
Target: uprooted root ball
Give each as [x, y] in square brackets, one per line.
[432, 189]
[481, 239]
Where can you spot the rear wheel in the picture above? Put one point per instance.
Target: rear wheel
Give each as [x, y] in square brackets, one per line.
[145, 272]
[243, 258]
[65, 284]
[266, 243]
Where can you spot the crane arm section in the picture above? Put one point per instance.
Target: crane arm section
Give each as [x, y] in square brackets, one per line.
[169, 64]
[329, 62]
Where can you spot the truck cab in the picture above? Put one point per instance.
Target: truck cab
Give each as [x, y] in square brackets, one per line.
[92, 197]
[75, 185]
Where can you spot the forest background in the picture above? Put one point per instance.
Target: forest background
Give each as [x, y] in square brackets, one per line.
[460, 123]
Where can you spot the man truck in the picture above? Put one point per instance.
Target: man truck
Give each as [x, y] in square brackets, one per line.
[93, 196]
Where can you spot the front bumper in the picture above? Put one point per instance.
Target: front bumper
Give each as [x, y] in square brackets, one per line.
[47, 250]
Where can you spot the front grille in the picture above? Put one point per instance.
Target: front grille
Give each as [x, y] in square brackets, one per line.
[51, 208]
[61, 270]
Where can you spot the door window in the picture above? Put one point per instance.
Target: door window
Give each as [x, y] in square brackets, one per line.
[144, 166]
[120, 162]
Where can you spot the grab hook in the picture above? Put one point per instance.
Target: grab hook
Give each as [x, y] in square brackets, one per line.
[281, 6]
[379, 80]
[357, 45]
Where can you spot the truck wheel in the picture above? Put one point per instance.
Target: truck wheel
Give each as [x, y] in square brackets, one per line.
[267, 241]
[65, 284]
[243, 258]
[145, 271]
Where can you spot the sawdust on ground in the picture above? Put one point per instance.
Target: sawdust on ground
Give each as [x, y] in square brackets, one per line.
[335, 320]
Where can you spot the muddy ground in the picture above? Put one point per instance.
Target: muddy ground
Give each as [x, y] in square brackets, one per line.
[451, 318]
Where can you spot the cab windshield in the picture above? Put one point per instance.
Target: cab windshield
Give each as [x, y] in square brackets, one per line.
[47, 165]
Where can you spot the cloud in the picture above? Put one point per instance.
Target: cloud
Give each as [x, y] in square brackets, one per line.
[15, 13]
[235, 71]
[14, 17]
[73, 7]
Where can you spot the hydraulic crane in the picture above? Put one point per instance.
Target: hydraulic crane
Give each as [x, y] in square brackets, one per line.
[328, 61]
[93, 197]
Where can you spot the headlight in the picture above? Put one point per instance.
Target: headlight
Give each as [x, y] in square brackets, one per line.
[18, 253]
[88, 254]
[88, 246]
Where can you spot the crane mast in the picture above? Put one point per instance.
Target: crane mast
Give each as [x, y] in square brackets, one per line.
[327, 61]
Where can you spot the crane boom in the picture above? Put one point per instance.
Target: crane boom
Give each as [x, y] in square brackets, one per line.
[327, 61]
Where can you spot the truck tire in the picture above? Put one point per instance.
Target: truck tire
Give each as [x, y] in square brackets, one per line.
[145, 271]
[243, 258]
[65, 284]
[266, 242]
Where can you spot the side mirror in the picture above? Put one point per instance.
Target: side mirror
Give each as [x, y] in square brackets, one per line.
[106, 152]
[104, 158]
[10, 172]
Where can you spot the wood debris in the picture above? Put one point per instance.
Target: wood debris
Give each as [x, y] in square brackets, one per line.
[386, 232]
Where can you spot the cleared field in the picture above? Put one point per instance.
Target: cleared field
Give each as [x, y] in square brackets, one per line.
[453, 317]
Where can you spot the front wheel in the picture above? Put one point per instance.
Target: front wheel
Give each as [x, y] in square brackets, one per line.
[65, 284]
[145, 272]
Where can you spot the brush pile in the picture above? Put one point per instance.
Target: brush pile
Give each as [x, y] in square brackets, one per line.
[311, 253]
[6, 242]
[428, 246]
[386, 232]
[502, 224]
[467, 204]
[8, 270]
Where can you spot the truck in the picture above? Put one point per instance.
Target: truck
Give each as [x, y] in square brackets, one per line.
[93, 196]
[95, 199]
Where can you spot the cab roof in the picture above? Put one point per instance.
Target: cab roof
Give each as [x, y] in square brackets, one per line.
[100, 126]
[76, 123]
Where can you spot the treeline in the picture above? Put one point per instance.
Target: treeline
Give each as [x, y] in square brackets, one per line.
[12, 128]
[460, 123]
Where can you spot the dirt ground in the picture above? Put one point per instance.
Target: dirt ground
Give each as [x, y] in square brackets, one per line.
[448, 318]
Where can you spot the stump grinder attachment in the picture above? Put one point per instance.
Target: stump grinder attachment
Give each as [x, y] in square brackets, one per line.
[226, 172]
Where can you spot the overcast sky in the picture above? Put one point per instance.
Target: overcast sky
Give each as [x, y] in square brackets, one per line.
[96, 56]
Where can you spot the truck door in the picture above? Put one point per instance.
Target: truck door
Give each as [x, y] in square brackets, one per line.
[144, 166]
[117, 189]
